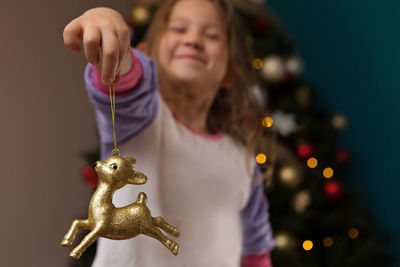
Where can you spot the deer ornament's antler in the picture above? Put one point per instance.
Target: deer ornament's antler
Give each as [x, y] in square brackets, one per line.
[105, 220]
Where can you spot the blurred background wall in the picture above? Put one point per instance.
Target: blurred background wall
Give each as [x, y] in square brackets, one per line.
[46, 125]
[351, 54]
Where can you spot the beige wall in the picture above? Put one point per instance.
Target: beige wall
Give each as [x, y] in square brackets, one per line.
[46, 124]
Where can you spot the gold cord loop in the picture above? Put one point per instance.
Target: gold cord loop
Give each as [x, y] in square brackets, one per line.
[115, 151]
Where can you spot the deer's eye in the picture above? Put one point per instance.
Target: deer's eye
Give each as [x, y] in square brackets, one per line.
[114, 166]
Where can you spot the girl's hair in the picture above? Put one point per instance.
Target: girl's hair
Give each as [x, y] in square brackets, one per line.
[233, 111]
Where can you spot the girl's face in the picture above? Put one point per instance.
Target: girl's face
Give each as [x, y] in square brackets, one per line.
[194, 46]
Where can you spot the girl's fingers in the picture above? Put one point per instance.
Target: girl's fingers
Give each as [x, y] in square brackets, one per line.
[106, 40]
[72, 34]
[124, 45]
[91, 43]
[109, 56]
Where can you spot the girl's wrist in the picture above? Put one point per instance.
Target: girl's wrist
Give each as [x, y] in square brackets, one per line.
[128, 80]
[127, 63]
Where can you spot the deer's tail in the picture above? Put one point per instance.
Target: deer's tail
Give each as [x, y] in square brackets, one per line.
[142, 198]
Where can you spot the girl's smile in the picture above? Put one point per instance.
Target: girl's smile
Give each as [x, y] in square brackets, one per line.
[192, 57]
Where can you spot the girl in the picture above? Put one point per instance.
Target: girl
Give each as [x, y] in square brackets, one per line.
[185, 126]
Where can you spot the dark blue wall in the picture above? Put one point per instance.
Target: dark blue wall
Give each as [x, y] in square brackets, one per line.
[351, 52]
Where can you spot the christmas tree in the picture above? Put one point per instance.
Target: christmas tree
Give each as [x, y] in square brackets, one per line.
[317, 219]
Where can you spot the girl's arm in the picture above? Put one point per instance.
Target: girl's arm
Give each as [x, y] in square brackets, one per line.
[258, 239]
[136, 101]
[106, 42]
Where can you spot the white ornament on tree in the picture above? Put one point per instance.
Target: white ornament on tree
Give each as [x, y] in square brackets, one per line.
[285, 124]
[294, 65]
[301, 201]
[258, 95]
[141, 14]
[273, 69]
[339, 121]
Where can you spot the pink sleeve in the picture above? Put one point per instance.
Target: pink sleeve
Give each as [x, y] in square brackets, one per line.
[257, 260]
[126, 83]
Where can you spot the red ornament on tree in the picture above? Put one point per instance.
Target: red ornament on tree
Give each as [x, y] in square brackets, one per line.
[304, 151]
[333, 190]
[261, 26]
[342, 155]
[288, 77]
[90, 176]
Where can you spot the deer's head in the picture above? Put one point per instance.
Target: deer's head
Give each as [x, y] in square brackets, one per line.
[119, 171]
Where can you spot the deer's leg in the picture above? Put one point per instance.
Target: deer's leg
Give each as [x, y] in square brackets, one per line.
[86, 242]
[141, 198]
[157, 234]
[160, 222]
[75, 226]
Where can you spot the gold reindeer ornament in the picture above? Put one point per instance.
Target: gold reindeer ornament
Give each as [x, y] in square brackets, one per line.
[105, 220]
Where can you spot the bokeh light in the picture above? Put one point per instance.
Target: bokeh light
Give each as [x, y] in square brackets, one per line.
[312, 163]
[267, 122]
[261, 158]
[141, 14]
[328, 173]
[328, 241]
[308, 245]
[353, 233]
[257, 63]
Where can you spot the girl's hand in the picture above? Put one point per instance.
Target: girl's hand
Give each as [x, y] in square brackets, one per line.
[106, 40]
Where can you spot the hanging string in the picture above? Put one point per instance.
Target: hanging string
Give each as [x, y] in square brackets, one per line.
[112, 101]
